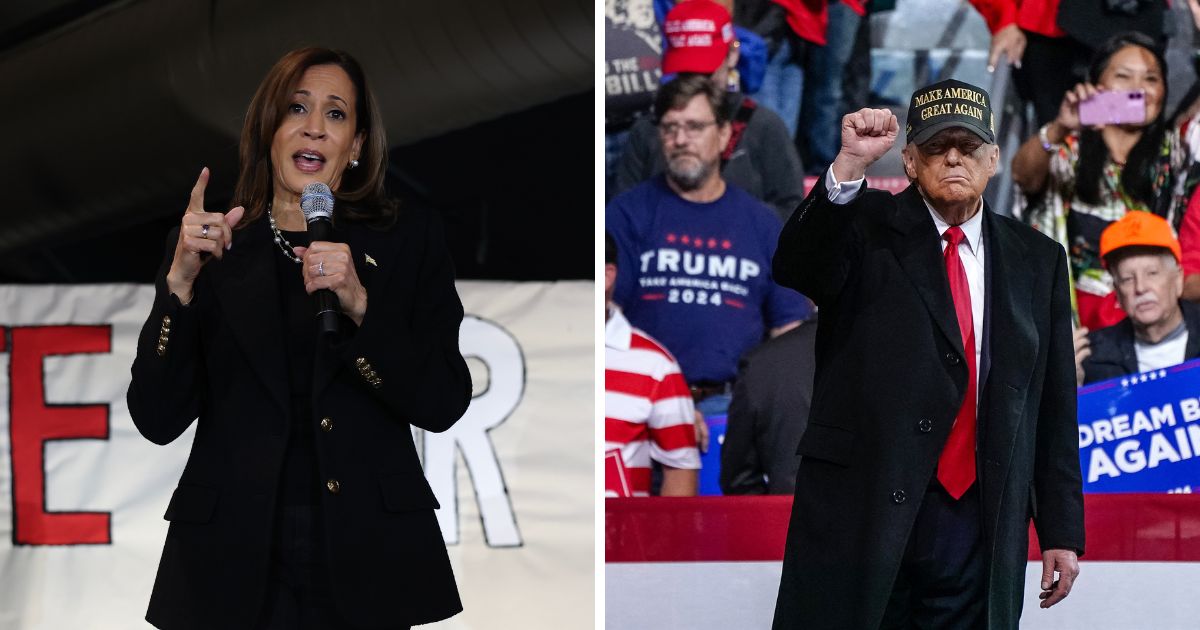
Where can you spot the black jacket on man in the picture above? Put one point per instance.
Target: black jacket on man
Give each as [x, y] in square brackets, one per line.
[768, 414]
[221, 359]
[890, 378]
[1113, 353]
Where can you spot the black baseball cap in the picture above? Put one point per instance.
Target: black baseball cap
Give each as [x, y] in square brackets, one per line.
[947, 104]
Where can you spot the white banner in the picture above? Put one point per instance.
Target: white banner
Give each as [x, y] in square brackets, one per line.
[721, 595]
[82, 494]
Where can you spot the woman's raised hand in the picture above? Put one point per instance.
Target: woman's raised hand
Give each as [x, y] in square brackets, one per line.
[1068, 111]
[201, 235]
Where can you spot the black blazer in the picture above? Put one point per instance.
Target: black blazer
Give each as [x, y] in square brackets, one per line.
[221, 359]
[768, 414]
[890, 378]
[1113, 353]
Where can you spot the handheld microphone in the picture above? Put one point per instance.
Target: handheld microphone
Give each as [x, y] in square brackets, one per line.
[316, 202]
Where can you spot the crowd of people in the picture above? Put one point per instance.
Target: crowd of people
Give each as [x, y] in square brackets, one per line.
[700, 186]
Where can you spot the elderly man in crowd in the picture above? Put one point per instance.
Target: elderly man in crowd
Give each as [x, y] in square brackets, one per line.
[1160, 329]
[759, 156]
[944, 406]
[695, 252]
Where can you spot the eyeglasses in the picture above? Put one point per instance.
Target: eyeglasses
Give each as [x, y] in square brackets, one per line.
[691, 128]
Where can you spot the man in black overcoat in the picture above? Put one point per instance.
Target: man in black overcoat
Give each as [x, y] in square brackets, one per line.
[922, 464]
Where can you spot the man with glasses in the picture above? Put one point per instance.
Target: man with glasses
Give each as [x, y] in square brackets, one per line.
[1160, 328]
[943, 415]
[759, 157]
[695, 252]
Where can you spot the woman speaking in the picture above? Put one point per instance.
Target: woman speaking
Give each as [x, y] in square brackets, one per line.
[303, 503]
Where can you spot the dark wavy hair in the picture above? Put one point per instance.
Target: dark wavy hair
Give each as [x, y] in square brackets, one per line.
[1137, 178]
[361, 195]
[678, 92]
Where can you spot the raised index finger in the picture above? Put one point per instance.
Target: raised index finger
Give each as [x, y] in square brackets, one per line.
[196, 201]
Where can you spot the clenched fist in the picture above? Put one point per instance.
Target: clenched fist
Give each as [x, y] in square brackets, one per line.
[866, 135]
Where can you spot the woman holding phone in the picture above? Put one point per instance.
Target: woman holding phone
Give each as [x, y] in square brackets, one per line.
[1103, 156]
[303, 504]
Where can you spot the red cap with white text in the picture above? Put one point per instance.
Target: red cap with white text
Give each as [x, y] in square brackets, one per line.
[699, 33]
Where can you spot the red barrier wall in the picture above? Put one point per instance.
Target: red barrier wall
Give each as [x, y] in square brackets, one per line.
[1141, 527]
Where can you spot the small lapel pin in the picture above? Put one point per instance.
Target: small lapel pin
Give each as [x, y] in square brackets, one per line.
[370, 261]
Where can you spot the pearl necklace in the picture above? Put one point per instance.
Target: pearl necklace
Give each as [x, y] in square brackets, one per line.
[282, 242]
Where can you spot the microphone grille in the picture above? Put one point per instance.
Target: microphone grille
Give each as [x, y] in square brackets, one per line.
[316, 202]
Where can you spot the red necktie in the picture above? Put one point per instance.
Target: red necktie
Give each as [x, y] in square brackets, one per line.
[956, 466]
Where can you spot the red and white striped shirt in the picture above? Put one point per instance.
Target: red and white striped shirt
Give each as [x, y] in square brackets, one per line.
[648, 411]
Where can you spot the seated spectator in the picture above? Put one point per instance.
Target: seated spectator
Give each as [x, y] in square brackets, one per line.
[696, 252]
[768, 414]
[758, 155]
[1161, 329]
[648, 413]
[1087, 178]
[752, 51]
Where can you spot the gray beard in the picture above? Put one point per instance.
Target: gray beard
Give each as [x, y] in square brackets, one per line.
[689, 179]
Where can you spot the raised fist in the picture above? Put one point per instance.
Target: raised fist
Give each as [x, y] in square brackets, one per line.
[867, 134]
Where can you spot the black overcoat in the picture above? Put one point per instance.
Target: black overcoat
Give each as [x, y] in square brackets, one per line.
[222, 359]
[889, 381]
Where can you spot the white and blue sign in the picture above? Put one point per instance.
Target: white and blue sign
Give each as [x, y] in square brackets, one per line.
[1141, 433]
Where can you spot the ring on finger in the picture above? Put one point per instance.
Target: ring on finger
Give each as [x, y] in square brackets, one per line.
[321, 268]
[204, 231]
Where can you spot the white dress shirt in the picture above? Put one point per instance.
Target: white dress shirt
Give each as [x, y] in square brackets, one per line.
[970, 251]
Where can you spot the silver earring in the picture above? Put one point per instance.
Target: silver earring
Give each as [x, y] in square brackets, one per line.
[353, 163]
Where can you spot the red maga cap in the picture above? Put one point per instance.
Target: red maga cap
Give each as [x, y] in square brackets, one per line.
[699, 33]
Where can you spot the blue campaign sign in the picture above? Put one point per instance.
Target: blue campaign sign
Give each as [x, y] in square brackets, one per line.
[1141, 433]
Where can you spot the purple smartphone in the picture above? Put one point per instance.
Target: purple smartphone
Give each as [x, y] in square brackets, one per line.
[1117, 107]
